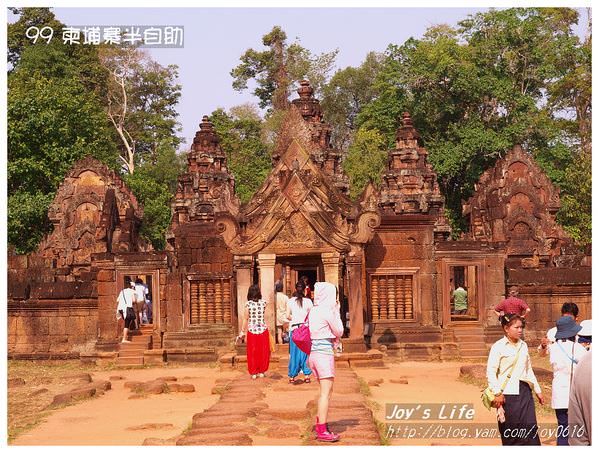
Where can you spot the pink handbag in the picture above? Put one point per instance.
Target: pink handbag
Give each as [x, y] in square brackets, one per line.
[301, 337]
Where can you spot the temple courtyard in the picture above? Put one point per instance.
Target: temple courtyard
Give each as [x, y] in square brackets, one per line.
[69, 403]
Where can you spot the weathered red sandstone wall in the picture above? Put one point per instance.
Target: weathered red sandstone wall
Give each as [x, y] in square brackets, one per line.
[545, 290]
[404, 249]
[48, 318]
[52, 328]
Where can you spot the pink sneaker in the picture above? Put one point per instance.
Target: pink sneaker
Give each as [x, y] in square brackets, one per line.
[324, 435]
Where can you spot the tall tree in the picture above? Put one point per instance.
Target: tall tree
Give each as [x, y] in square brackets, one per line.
[141, 99]
[277, 69]
[55, 117]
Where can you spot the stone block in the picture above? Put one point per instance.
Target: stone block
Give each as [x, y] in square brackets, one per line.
[106, 275]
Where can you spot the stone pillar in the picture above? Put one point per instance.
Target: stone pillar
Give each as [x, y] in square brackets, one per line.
[243, 271]
[108, 326]
[267, 287]
[330, 262]
[356, 307]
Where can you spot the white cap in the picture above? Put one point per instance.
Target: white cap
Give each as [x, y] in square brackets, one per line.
[551, 334]
[132, 283]
[586, 328]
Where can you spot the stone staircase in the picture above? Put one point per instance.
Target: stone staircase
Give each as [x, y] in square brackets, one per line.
[471, 341]
[132, 354]
[199, 343]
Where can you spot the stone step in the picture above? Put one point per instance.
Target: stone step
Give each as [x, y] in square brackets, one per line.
[131, 352]
[129, 361]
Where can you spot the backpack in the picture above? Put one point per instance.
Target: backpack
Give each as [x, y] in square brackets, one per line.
[301, 337]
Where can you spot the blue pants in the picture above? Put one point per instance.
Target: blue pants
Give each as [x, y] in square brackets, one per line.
[297, 360]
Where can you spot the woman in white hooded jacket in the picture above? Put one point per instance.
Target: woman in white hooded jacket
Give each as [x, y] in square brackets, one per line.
[326, 328]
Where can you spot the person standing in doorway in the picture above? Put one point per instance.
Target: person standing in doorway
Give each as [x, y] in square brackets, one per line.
[256, 333]
[307, 290]
[298, 308]
[125, 301]
[281, 311]
[326, 329]
[510, 376]
[460, 301]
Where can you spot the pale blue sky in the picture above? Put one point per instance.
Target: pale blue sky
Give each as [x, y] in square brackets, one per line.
[215, 38]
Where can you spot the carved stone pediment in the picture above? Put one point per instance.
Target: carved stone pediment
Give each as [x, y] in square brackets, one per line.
[93, 212]
[298, 205]
[515, 202]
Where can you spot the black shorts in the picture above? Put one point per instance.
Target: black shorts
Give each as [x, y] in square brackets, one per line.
[130, 318]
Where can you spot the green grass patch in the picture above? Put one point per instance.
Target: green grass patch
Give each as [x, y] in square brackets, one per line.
[364, 387]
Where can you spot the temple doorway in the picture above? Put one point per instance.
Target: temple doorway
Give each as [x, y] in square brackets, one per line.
[290, 269]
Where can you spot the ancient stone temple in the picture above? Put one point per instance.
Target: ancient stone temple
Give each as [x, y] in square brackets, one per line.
[389, 252]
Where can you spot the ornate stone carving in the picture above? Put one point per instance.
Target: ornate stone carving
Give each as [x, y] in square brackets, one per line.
[515, 203]
[93, 212]
[409, 186]
[207, 189]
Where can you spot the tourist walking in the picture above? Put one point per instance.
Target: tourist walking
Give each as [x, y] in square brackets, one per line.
[298, 308]
[282, 322]
[141, 293]
[564, 356]
[256, 333]
[512, 304]
[125, 310]
[510, 376]
[326, 329]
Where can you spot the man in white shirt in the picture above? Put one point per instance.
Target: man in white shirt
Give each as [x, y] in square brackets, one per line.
[125, 302]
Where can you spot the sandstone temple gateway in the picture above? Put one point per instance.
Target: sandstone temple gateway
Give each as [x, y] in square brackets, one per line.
[389, 252]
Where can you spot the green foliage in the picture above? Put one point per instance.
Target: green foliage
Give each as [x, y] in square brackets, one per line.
[248, 158]
[576, 199]
[141, 99]
[366, 160]
[51, 124]
[276, 70]
[27, 219]
[155, 198]
[345, 95]
[500, 78]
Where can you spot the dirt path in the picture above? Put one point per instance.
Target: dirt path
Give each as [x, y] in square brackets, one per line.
[270, 411]
[432, 382]
[109, 419]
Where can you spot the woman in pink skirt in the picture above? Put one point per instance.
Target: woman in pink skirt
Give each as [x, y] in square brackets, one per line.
[326, 328]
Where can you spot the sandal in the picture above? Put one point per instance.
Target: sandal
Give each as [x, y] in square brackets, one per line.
[307, 380]
[292, 380]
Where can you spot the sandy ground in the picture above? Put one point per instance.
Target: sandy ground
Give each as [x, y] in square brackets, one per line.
[106, 420]
[431, 382]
